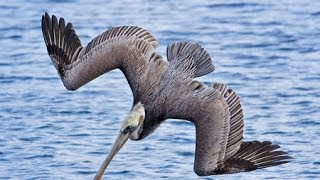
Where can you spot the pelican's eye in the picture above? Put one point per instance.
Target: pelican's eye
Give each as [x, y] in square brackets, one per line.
[129, 129]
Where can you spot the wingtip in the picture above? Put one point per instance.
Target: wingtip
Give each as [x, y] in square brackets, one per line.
[43, 21]
[47, 16]
[49, 20]
[61, 41]
[61, 23]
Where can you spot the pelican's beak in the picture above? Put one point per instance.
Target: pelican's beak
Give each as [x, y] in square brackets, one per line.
[120, 141]
[130, 127]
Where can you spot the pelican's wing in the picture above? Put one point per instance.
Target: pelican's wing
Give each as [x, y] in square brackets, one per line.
[217, 115]
[127, 48]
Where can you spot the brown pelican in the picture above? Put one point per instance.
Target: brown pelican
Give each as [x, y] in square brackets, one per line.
[162, 90]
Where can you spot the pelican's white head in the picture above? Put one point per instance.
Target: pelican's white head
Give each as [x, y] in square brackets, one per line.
[133, 122]
[130, 127]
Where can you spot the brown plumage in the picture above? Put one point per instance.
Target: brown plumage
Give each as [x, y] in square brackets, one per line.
[162, 90]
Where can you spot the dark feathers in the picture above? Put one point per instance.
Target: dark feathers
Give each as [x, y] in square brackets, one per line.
[62, 41]
[254, 155]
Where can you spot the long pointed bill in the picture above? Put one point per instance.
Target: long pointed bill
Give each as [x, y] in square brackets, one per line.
[120, 141]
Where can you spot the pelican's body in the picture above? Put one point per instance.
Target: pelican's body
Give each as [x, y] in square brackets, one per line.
[162, 90]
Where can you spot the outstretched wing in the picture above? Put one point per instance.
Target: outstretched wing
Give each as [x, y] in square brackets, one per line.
[217, 114]
[208, 110]
[128, 48]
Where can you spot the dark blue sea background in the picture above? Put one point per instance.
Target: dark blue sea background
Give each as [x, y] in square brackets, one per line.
[266, 51]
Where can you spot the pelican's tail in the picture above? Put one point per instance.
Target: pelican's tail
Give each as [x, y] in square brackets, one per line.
[254, 155]
[62, 42]
[203, 62]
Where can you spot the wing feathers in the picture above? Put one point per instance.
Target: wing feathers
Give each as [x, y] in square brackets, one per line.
[254, 155]
[126, 31]
[203, 62]
[236, 120]
[62, 42]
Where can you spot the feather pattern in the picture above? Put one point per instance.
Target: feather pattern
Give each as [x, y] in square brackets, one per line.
[61, 41]
[235, 124]
[202, 60]
[253, 155]
[122, 31]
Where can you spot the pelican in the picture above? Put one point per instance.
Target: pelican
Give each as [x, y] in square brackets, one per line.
[162, 90]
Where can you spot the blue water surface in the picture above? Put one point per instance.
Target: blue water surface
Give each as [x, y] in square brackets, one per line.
[268, 52]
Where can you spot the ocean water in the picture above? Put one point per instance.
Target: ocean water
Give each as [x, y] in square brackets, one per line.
[268, 52]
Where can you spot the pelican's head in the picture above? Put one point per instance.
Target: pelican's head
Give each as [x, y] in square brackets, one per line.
[132, 124]
[131, 127]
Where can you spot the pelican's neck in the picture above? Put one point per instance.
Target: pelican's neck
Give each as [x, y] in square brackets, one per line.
[133, 68]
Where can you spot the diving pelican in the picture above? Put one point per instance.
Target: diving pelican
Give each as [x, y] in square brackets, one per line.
[162, 90]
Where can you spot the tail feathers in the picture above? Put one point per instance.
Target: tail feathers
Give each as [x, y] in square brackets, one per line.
[61, 40]
[202, 59]
[254, 155]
